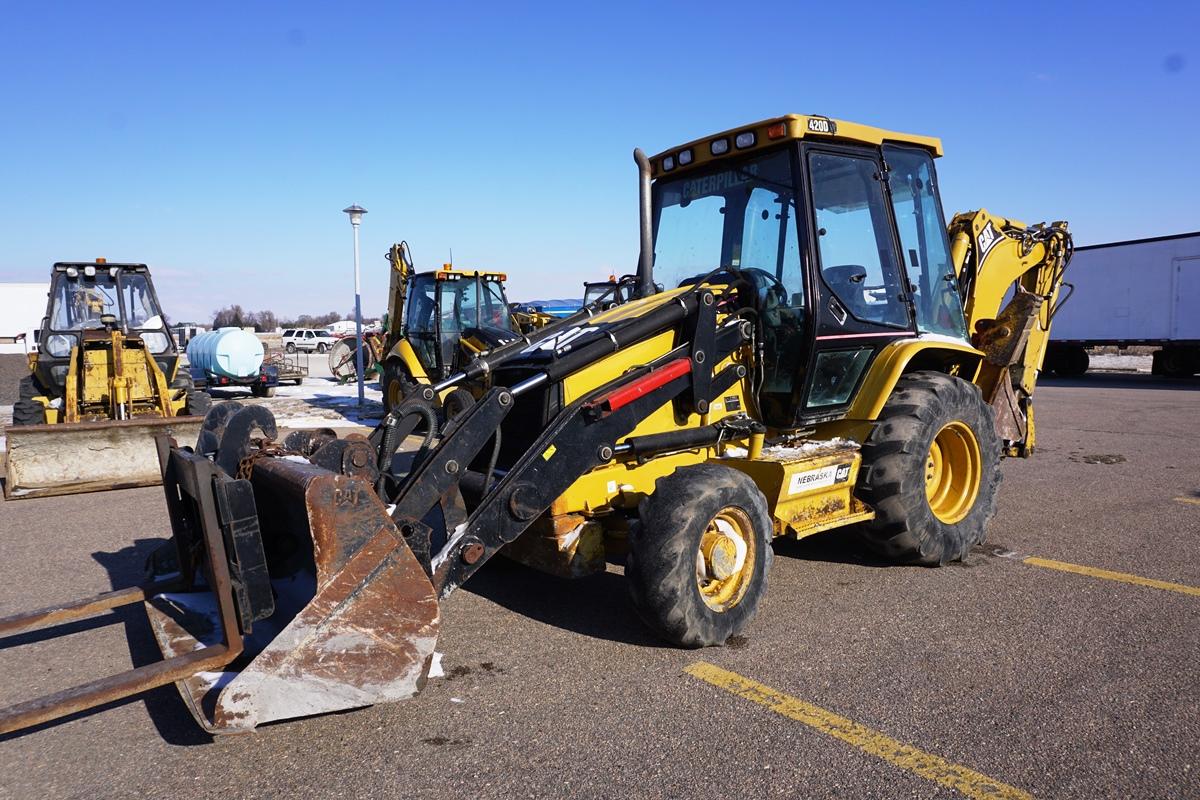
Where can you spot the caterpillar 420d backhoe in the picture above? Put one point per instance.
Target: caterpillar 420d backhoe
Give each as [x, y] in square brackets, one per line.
[104, 380]
[828, 353]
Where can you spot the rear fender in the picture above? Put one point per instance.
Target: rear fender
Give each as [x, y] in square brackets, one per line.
[404, 351]
[931, 352]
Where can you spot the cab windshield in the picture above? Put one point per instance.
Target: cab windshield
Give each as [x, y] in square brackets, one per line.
[80, 302]
[742, 216]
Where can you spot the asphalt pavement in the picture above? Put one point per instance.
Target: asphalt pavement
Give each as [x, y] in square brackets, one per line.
[999, 677]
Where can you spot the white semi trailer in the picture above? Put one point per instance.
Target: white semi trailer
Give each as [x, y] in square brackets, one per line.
[1140, 292]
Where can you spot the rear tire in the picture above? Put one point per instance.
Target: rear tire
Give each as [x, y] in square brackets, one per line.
[396, 384]
[931, 467]
[457, 403]
[197, 404]
[322, 347]
[690, 580]
[289, 347]
[27, 411]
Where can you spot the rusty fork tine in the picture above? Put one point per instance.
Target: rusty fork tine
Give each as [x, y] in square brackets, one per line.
[74, 610]
[114, 687]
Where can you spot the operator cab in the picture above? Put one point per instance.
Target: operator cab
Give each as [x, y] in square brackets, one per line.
[451, 311]
[611, 292]
[87, 299]
[836, 232]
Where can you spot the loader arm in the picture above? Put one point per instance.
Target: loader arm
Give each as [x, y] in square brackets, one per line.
[997, 258]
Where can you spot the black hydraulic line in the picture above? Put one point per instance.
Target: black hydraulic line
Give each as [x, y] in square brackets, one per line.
[682, 439]
[689, 438]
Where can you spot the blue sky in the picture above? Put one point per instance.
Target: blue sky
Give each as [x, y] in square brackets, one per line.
[218, 142]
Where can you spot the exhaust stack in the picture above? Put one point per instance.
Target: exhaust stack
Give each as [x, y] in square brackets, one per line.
[646, 257]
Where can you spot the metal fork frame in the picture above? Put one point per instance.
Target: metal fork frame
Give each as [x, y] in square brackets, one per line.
[195, 480]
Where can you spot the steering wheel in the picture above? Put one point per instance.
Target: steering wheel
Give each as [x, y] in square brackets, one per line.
[770, 291]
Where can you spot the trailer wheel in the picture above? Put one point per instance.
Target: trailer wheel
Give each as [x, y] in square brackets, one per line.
[262, 391]
[197, 404]
[27, 411]
[699, 555]
[1073, 363]
[931, 467]
[1175, 362]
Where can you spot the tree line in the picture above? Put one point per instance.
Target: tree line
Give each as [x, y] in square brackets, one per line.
[264, 321]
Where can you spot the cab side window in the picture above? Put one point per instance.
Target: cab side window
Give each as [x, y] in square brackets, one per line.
[854, 238]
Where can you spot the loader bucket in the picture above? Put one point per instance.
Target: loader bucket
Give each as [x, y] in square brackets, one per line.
[354, 619]
[75, 457]
[289, 592]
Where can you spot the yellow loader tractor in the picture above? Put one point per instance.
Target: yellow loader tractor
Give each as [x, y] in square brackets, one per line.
[105, 378]
[828, 353]
[437, 322]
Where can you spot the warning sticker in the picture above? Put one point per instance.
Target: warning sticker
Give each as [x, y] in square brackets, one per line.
[819, 478]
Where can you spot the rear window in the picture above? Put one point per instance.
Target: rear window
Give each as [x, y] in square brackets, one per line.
[289, 332]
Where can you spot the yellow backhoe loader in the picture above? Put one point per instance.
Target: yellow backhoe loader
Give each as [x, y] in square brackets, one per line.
[437, 322]
[104, 380]
[827, 353]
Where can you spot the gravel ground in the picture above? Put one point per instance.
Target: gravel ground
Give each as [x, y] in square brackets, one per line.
[12, 369]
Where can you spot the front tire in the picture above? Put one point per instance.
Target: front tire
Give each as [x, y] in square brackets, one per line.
[197, 404]
[931, 467]
[27, 411]
[700, 554]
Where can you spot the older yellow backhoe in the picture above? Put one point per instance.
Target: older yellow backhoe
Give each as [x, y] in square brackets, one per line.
[104, 380]
[826, 353]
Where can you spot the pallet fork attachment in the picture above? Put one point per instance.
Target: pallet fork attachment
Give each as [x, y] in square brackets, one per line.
[318, 607]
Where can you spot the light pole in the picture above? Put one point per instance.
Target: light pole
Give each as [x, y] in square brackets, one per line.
[356, 212]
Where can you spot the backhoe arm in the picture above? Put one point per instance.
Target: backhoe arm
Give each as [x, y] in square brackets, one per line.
[994, 258]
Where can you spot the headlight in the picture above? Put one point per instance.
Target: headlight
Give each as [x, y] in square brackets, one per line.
[60, 346]
[156, 342]
[744, 140]
[685, 157]
[719, 147]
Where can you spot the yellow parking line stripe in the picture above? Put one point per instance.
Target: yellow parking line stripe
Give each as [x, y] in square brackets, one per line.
[1124, 577]
[1193, 500]
[927, 765]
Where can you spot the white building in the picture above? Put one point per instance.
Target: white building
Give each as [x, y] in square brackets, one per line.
[21, 308]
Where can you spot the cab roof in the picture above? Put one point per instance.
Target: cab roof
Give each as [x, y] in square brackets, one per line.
[61, 266]
[747, 138]
[448, 273]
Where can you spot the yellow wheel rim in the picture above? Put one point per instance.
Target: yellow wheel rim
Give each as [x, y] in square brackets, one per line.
[725, 559]
[395, 393]
[953, 470]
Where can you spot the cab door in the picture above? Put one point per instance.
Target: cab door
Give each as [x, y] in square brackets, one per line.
[860, 302]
